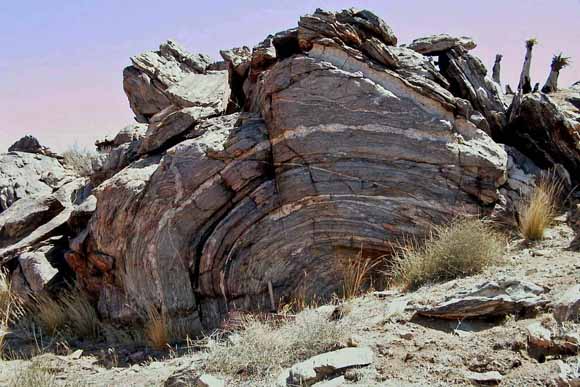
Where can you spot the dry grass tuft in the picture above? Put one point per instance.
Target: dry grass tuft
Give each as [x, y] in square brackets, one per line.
[71, 313]
[10, 308]
[157, 329]
[357, 274]
[262, 349]
[34, 375]
[40, 373]
[464, 247]
[80, 160]
[538, 210]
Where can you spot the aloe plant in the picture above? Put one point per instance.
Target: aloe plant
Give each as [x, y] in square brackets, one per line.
[558, 63]
[525, 84]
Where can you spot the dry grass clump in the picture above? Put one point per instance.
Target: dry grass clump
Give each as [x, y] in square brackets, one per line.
[10, 307]
[40, 373]
[538, 210]
[262, 349]
[80, 160]
[71, 313]
[157, 329]
[34, 375]
[357, 274]
[464, 247]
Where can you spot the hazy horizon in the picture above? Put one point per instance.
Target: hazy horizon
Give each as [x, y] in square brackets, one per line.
[61, 73]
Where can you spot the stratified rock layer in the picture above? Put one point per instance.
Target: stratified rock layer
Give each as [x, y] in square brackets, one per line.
[352, 143]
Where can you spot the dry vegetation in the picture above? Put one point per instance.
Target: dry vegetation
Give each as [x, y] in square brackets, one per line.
[34, 375]
[358, 273]
[71, 313]
[464, 247]
[261, 349]
[538, 210]
[157, 329]
[10, 308]
[80, 160]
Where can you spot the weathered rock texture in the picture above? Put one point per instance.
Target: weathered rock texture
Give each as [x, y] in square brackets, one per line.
[346, 142]
[270, 169]
[468, 79]
[547, 129]
[438, 44]
[26, 174]
[489, 299]
[172, 76]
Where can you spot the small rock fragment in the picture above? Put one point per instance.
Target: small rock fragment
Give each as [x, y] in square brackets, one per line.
[567, 306]
[490, 378]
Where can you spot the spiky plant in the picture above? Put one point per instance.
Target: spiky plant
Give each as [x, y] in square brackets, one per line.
[558, 63]
[531, 42]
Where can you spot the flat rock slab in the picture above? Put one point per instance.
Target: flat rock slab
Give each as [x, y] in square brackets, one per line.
[190, 378]
[489, 299]
[436, 44]
[487, 378]
[327, 364]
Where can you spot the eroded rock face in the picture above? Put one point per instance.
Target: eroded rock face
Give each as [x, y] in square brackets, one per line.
[26, 174]
[165, 207]
[468, 80]
[172, 76]
[546, 128]
[352, 142]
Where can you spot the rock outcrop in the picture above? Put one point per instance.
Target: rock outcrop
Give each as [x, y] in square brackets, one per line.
[546, 128]
[25, 174]
[468, 79]
[439, 44]
[173, 77]
[256, 178]
[29, 144]
[345, 141]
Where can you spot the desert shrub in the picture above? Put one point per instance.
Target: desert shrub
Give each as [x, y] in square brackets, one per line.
[538, 209]
[81, 160]
[261, 349]
[70, 313]
[464, 247]
[357, 273]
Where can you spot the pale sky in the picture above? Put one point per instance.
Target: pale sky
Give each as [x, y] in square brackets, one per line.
[62, 60]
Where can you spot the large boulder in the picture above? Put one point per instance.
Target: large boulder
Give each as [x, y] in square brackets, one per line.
[360, 144]
[29, 144]
[25, 174]
[172, 76]
[546, 128]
